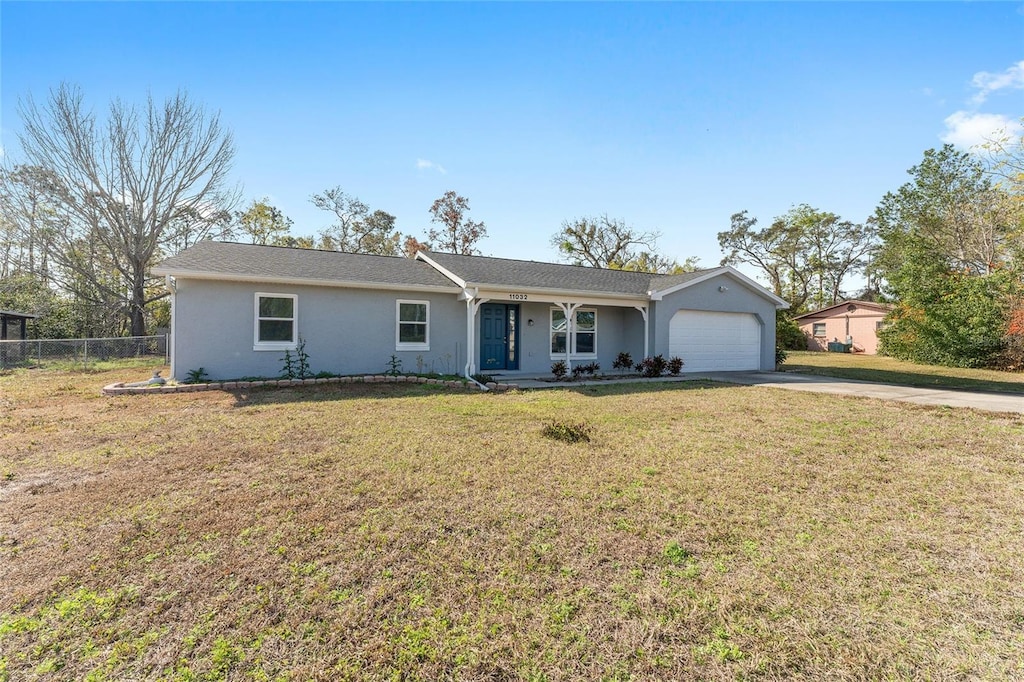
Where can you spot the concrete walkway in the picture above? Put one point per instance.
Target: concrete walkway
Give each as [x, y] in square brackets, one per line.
[994, 402]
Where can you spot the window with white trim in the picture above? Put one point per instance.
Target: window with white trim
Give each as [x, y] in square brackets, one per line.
[584, 334]
[819, 330]
[412, 325]
[276, 322]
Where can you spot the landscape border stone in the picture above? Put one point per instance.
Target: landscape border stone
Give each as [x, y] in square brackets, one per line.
[120, 388]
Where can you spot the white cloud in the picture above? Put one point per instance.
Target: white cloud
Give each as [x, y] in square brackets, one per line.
[987, 83]
[423, 164]
[965, 129]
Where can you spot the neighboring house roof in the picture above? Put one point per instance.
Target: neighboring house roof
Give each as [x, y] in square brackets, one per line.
[254, 263]
[20, 316]
[843, 307]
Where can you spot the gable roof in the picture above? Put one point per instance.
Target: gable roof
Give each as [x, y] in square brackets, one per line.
[843, 306]
[254, 263]
[485, 271]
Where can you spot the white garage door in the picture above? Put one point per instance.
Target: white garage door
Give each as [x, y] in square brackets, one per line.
[713, 341]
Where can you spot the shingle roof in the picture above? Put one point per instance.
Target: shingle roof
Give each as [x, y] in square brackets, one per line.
[506, 272]
[242, 261]
[227, 260]
[870, 305]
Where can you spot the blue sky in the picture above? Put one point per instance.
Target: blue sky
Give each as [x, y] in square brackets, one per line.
[670, 116]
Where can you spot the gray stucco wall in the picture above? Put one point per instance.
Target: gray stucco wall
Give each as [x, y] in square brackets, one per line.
[352, 331]
[618, 330]
[706, 296]
[347, 331]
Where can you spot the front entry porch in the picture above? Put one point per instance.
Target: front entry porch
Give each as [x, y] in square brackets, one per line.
[499, 337]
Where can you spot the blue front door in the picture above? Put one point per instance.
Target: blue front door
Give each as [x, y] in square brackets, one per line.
[498, 336]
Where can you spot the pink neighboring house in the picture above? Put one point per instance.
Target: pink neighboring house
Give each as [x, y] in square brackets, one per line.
[854, 322]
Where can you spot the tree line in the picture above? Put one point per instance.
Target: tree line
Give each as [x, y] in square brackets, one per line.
[946, 248]
[95, 202]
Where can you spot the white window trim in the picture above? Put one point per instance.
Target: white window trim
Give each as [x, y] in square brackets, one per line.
[824, 330]
[258, 345]
[399, 345]
[571, 342]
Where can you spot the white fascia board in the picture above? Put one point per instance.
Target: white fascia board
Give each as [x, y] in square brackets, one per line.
[444, 271]
[299, 281]
[728, 271]
[537, 295]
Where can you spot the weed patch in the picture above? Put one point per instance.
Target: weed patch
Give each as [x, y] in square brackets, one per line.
[567, 432]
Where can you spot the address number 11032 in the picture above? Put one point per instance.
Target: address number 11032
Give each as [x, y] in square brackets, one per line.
[517, 297]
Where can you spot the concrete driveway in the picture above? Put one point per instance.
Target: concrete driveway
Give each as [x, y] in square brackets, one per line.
[995, 402]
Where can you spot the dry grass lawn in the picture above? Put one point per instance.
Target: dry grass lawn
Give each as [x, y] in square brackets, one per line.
[409, 533]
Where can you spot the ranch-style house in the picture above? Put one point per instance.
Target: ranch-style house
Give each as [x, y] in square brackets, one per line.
[236, 308]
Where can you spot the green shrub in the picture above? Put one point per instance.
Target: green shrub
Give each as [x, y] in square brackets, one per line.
[652, 366]
[196, 376]
[787, 333]
[675, 366]
[559, 369]
[623, 361]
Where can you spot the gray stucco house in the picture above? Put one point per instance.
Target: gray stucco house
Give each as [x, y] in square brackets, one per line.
[235, 309]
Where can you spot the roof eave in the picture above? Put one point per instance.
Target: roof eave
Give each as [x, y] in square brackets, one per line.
[302, 281]
[780, 303]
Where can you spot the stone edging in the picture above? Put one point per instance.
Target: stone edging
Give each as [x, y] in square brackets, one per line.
[120, 388]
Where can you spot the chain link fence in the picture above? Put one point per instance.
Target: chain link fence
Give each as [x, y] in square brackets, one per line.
[81, 352]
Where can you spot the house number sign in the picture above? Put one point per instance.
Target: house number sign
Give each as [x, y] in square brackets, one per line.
[517, 297]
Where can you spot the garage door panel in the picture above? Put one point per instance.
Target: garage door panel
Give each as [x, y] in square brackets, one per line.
[715, 341]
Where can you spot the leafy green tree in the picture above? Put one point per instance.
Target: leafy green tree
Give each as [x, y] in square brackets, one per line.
[946, 258]
[806, 254]
[262, 223]
[58, 316]
[356, 228]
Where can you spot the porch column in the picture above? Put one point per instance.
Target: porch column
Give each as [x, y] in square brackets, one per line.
[570, 318]
[472, 306]
[647, 330]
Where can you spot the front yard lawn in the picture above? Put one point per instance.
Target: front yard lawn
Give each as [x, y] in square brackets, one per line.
[402, 531]
[891, 371]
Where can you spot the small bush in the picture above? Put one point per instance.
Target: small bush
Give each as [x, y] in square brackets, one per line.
[567, 432]
[652, 367]
[196, 376]
[394, 366]
[623, 361]
[577, 371]
[591, 368]
[675, 366]
[482, 378]
[788, 334]
[780, 355]
[559, 369]
[296, 366]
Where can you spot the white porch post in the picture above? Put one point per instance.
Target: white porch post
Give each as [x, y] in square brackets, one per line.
[570, 316]
[472, 306]
[647, 330]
